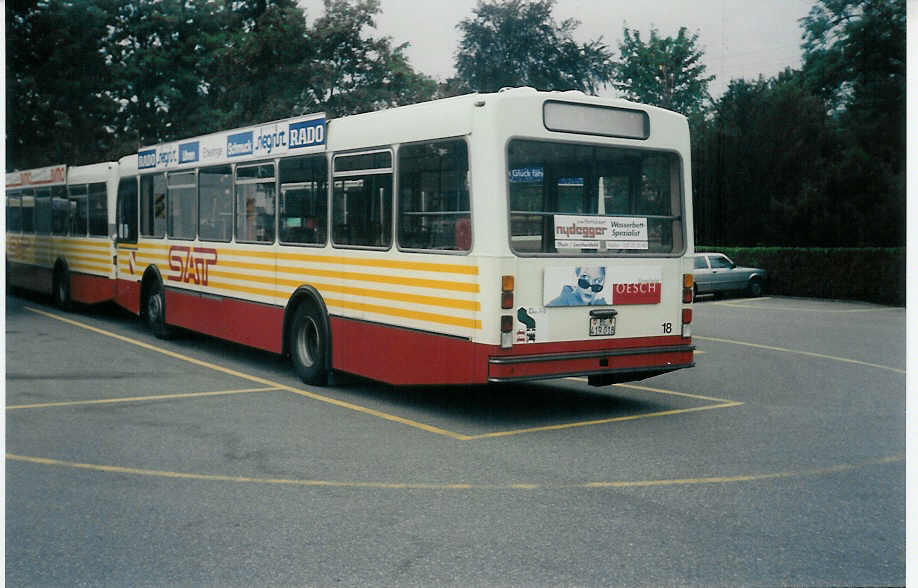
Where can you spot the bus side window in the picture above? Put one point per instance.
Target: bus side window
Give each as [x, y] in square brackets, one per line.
[153, 205]
[127, 210]
[79, 207]
[43, 211]
[28, 211]
[60, 211]
[98, 210]
[433, 199]
[255, 189]
[303, 206]
[215, 203]
[13, 212]
[362, 200]
[182, 205]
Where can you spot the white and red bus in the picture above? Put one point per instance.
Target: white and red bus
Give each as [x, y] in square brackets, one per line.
[485, 238]
[60, 231]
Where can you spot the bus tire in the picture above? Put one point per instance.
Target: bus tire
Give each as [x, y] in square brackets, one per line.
[60, 289]
[308, 344]
[155, 312]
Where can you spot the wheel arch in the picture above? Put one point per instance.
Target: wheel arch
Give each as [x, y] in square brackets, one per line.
[306, 294]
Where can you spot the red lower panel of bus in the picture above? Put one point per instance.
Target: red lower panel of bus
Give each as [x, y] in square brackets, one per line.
[405, 357]
[84, 288]
[91, 289]
[248, 323]
[128, 295]
[30, 277]
[610, 356]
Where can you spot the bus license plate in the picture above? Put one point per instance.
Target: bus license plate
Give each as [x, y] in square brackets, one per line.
[602, 326]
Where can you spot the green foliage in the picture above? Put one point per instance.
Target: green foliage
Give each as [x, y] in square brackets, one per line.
[812, 157]
[57, 104]
[518, 43]
[870, 274]
[352, 72]
[665, 71]
[92, 80]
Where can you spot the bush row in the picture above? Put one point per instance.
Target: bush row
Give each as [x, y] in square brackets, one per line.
[871, 274]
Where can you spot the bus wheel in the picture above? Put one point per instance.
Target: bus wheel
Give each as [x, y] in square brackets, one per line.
[308, 344]
[61, 289]
[155, 312]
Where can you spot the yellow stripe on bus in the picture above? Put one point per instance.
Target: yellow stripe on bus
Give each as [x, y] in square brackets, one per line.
[408, 314]
[471, 270]
[376, 309]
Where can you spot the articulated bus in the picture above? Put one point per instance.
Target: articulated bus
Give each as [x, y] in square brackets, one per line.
[60, 228]
[502, 237]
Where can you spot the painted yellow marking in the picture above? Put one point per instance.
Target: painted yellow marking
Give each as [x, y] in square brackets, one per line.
[458, 486]
[256, 379]
[751, 305]
[141, 398]
[799, 352]
[718, 403]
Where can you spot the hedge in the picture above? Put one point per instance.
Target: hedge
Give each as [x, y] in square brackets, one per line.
[870, 274]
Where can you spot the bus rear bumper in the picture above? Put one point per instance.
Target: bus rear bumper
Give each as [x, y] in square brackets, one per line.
[602, 367]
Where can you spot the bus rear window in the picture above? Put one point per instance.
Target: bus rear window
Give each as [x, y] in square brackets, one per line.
[570, 200]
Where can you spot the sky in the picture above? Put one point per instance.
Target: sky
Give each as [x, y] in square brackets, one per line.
[740, 38]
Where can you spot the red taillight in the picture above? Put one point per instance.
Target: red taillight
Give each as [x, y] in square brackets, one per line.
[506, 324]
[686, 316]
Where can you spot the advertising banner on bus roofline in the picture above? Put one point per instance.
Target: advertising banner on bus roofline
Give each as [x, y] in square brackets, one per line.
[304, 134]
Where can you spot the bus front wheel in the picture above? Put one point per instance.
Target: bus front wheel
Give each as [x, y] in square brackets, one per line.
[308, 345]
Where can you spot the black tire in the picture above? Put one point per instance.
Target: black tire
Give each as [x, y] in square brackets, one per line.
[755, 288]
[61, 289]
[308, 343]
[155, 312]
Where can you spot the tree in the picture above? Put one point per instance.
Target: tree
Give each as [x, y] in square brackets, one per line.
[518, 43]
[665, 71]
[762, 167]
[57, 107]
[854, 57]
[353, 72]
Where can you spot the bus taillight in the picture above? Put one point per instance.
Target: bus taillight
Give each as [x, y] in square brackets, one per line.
[506, 292]
[688, 280]
[506, 331]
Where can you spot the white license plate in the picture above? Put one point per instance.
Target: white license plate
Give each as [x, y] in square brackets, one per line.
[602, 326]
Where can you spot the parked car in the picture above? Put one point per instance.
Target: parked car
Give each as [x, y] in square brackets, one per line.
[715, 272]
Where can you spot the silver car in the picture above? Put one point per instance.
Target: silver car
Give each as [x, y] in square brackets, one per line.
[715, 272]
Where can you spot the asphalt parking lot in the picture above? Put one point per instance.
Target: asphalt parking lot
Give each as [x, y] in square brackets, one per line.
[779, 459]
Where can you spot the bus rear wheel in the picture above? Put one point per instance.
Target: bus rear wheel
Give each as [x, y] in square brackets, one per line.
[61, 290]
[308, 345]
[155, 312]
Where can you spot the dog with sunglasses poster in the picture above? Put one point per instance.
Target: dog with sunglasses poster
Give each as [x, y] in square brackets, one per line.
[586, 289]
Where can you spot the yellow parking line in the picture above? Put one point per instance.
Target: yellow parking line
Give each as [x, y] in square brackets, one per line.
[799, 352]
[141, 398]
[796, 309]
[256, 379]
[591, 423]
[460, 486]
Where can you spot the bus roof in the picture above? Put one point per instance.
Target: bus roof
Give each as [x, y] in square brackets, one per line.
[87, 174]
[446, 117]
[41, 176]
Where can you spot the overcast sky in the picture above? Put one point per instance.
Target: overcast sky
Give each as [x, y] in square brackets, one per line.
[740, 38]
